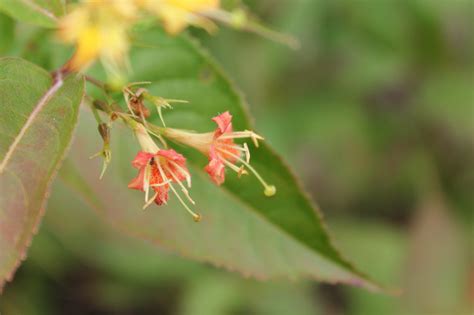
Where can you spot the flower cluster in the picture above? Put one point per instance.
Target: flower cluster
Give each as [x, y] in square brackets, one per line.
[222, 151]
[100, 28]
[162, 170]
[159, 169]
[99, 31]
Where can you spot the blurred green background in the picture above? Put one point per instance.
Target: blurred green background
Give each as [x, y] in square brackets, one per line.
[375, 112]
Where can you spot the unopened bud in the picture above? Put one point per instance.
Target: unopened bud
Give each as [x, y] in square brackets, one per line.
[114, 116]
[104, 131]
[138, 107]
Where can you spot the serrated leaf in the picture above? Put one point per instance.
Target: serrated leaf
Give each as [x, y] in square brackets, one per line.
[39, 12]
[242, 230]
[37, 118]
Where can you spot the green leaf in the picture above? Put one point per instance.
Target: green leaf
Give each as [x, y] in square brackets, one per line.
[281, 236]
[37, 118]
[7, 25]
[39, 12]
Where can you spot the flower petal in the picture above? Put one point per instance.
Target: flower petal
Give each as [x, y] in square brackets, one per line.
[224, 123]
[216, 171]
[162, 194]
[141, 159]
[178, 168]
[172, 155]
[137, 182]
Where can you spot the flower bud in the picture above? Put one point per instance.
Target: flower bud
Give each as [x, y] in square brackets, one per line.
[104, 131]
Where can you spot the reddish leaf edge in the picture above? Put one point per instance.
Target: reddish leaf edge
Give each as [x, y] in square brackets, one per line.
[5, 279]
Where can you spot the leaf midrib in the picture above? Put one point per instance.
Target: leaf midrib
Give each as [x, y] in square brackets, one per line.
[40, 10]
[252, 208]
[240, 99]
[49, 93]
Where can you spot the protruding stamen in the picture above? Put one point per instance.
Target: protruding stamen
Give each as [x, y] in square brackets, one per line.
[183, 189]
[160, 103]
[127, 92]
[184, 172]
[247, 153]
[270, 190]
[196, 217]
[255, 138]
[149, 202]
[146, 181]
[232, 146]
[144, 139]
[163, 142]
[239, 170]
[243, 134]
[244, 149]
[166, 182]
[126, 96]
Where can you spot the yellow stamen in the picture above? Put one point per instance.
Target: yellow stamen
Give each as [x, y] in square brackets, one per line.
[270, 190]
[239, 170]
[247, 153]
[161, 103]
[126, 96]
[244, 149]
[243, 134]
[149, 202]
[144, 139]
[163, 142]
[146, 181]
[196, 217]
[184, 172]
[183, 189]
[161, 184]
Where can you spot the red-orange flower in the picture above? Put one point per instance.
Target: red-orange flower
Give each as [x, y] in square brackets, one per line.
[157, 171]
[221, 149]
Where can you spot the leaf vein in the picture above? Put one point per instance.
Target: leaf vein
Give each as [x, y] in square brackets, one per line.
[37, 109]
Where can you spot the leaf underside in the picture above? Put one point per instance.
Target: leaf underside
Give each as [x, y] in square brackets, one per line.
[38, 116]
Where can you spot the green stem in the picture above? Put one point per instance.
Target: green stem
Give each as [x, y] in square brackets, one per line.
[94, 81]
[95, 112]
[111, 110]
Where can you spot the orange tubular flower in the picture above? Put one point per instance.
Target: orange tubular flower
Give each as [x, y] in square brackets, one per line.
[221, 149]
[159, 170]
